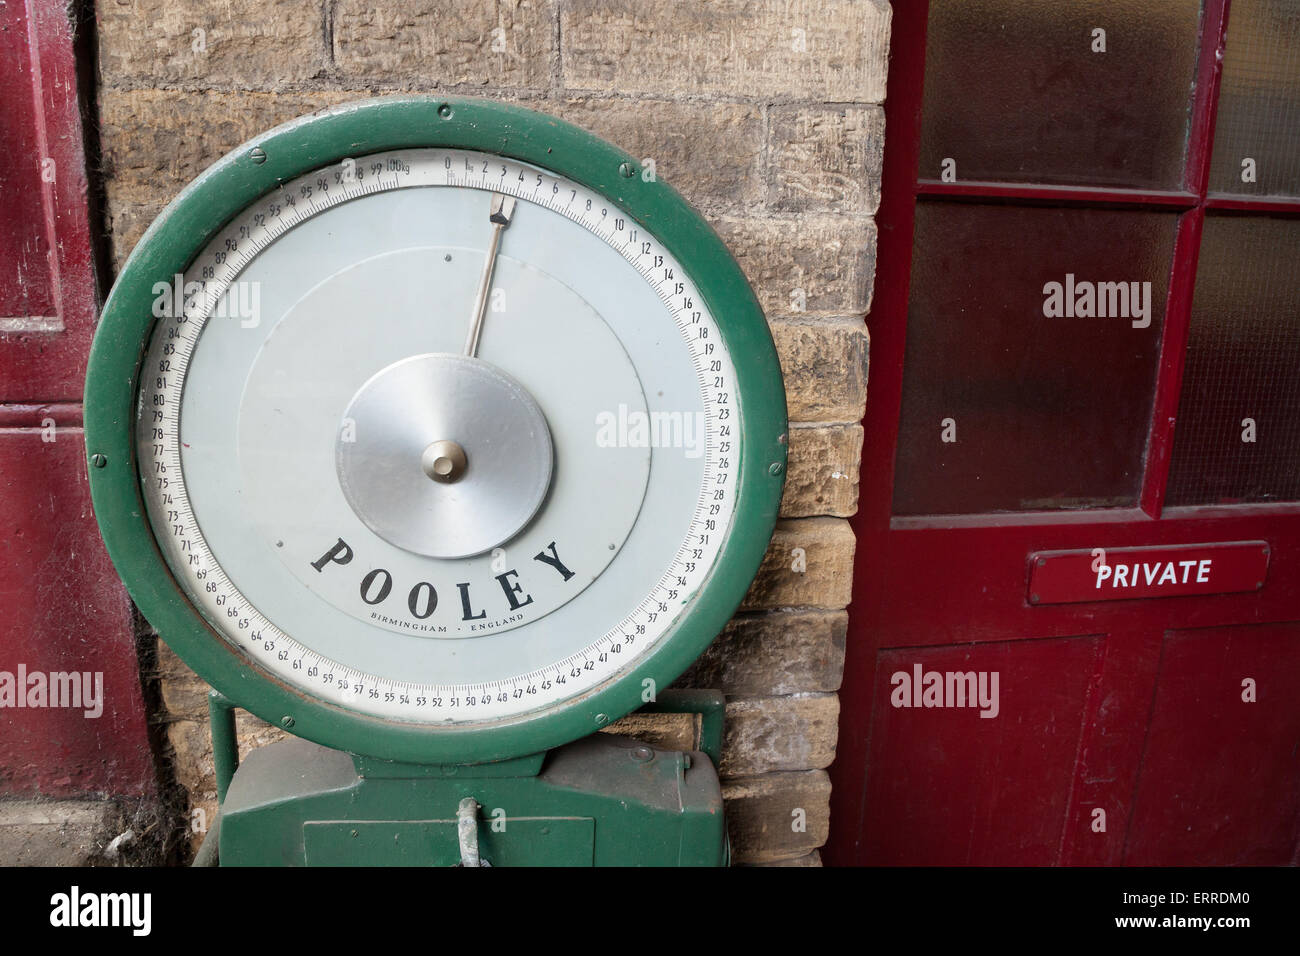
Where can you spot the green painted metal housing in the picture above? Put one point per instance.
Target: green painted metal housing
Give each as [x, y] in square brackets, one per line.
[354, 130]
[602, 801]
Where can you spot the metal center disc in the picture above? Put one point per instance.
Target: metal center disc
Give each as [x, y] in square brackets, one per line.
[446, 400]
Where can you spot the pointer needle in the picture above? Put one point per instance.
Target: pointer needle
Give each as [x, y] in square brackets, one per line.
[503, 207]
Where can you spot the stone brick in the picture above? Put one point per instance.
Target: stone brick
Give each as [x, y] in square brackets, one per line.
[825, 368]
[822, 474]
[779, 652]
[825, 547]
[127, 223]
[507, 43]
[818, 264]
[191, 760]
[243, 43]
[828, 50]
[156, 141]
[665, 731]
[185, 696]
[671, 133]
[826, 158]
[762, 815]
[764, 734]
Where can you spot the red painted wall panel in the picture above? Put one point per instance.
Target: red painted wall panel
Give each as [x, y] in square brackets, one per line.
[27, 277]
[63, 609]
[44, 204]
[1220, 771]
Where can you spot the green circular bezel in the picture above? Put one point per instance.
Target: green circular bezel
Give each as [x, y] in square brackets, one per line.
[182, 230]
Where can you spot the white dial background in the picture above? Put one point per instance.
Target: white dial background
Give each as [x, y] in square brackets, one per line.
[239, 416]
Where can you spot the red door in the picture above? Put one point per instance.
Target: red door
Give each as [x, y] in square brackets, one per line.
[1085, 341]
[72, 716]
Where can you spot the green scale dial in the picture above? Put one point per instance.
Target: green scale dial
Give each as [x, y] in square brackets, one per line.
[434, 430]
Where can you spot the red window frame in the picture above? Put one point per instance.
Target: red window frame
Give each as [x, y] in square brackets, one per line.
[893, 276]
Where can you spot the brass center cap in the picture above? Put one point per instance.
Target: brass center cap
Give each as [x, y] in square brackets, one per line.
[444, 461]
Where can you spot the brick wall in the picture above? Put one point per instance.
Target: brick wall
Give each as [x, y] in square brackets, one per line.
[765, 114]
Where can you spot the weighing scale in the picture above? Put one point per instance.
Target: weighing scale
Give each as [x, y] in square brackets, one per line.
[441, 434]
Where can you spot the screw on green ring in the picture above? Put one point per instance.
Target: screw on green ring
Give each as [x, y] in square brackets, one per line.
[627, 170]
[445, 111]
[775, 468]
[98, 460]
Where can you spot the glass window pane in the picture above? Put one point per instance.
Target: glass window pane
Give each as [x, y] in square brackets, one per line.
[1237, 436]
[1006, 407]
[1257, 135]
[1014, 91]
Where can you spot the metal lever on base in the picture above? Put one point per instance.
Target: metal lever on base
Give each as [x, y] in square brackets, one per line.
[467, 833]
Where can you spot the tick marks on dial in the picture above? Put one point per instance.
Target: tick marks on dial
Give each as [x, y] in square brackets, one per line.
[624, 641]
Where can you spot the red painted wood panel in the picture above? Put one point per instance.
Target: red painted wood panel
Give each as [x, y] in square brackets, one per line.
[1222, 772]
[47, 284]
[63, 609]
[27, 273]
[1110, 752]
[964, 788]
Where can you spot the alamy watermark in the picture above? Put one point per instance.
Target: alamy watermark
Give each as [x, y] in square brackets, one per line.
[628, 428]
[242, 300]
[1073, 299]
[72, 690]
[922, 688]
[75, 908]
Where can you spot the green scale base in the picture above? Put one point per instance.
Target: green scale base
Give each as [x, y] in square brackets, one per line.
[605, 800]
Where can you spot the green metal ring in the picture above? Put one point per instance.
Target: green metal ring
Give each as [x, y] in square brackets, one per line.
[249, 172]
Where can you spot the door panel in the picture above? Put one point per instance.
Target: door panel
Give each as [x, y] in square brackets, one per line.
[64, 613]
[66, 626]
[1221, 769]
[968, 788]
[47, 269]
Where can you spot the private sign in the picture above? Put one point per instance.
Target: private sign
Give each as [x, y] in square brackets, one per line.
[1116, 574]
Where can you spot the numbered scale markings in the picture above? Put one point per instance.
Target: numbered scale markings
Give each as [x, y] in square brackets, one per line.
[415, 427]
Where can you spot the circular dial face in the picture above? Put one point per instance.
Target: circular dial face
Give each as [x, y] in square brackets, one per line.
[438, 436]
